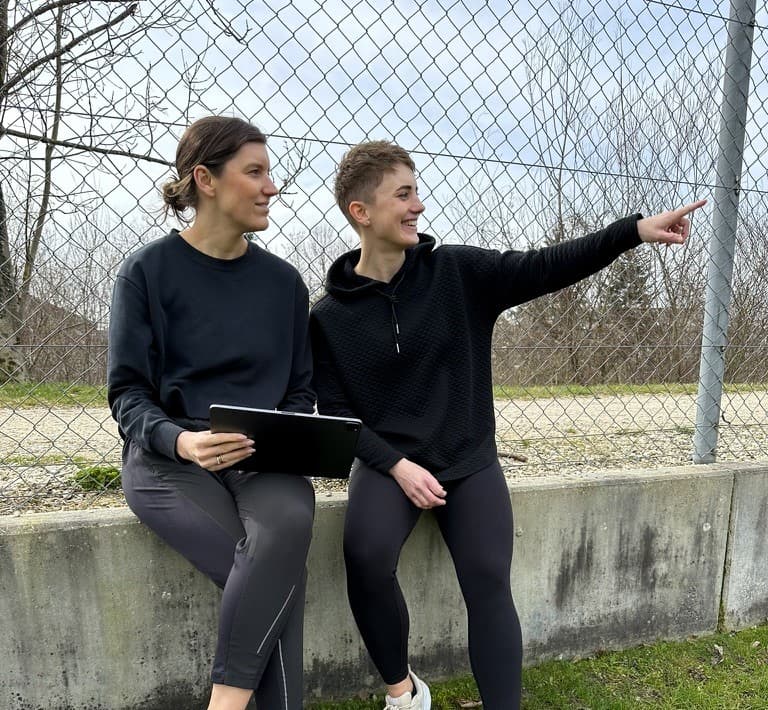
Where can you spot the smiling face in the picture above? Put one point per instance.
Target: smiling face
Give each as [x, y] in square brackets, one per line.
[241, 192]
[392, 213]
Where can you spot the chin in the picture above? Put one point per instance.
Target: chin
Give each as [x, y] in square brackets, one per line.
[259, 226]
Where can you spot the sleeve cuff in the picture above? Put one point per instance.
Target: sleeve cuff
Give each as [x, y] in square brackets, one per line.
[630, 238]
[163, 439]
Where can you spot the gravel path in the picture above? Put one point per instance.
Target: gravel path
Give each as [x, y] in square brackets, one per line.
[561, 437]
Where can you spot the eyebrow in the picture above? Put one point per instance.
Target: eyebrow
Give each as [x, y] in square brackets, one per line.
[255, 164]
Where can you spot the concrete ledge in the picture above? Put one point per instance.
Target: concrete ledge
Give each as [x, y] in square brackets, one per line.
[99, 614]
[745, 589]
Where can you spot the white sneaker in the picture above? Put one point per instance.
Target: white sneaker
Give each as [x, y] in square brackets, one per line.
[420, 699]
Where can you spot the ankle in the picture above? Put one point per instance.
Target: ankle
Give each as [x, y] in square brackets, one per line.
[398, 689]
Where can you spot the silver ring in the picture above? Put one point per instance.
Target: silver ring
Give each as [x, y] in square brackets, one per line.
[219, 460]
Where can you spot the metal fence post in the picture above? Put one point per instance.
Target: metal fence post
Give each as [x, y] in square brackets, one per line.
[733, 116]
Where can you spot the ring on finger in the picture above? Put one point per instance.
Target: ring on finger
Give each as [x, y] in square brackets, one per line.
[219, 460]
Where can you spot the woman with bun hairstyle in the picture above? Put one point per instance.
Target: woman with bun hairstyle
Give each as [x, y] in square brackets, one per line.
[204, 315]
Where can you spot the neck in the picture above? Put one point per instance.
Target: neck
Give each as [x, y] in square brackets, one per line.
[210, 236]
[379, 263]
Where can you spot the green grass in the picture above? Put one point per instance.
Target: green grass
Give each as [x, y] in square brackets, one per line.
[688, 675]
[43, 460]
[612, 389]
[20, 395]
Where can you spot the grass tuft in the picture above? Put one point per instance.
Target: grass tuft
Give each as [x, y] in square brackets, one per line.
[99, 477]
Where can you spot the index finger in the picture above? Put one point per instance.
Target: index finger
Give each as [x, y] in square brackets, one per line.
[223, 437]
[682, 211]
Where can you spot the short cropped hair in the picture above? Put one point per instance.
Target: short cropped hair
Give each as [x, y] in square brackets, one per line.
[363, 168]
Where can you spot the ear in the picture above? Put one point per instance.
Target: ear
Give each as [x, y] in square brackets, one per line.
[359, 212]
[203, 180]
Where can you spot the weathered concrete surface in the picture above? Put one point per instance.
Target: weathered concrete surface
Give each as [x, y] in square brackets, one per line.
[98, 613]
[745, 589]
[610, 563]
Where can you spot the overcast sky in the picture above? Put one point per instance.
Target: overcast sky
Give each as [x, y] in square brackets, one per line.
[448, 80]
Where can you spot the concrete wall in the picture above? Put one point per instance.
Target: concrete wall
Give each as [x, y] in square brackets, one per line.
[97, 613]
[745, 590]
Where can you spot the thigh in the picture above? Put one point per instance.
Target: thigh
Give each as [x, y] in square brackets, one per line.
[477, 524]
[186, 506]
[379, 519]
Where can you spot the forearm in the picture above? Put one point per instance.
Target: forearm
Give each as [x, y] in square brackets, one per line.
[527, 275]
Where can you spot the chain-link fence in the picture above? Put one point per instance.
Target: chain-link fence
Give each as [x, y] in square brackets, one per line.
[530, 124]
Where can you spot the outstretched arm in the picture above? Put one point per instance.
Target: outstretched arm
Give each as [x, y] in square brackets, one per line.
[509, 278]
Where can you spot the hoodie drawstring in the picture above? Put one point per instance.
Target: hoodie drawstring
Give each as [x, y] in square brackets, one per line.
[395, 325]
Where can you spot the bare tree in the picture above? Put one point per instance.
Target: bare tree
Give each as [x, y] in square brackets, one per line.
[79, 103]
[313, 252]
[55, 61]
[645, 147]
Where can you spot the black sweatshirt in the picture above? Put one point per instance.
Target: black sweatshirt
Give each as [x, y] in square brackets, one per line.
[412, 358]
[187, 330]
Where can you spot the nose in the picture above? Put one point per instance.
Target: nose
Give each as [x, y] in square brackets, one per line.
[270, 188]
[417, 205]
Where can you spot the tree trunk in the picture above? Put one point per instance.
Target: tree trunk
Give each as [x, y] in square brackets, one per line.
[11, 360]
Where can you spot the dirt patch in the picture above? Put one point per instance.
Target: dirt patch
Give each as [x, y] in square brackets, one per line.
[41, 449]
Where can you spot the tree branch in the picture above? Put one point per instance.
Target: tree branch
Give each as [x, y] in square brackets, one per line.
[81, 146]
[46, 8]
[5, 88]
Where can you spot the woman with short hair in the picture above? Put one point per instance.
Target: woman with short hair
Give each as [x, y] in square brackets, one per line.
[402, 340]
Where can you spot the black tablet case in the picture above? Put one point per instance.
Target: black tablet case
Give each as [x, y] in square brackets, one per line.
[286, 442]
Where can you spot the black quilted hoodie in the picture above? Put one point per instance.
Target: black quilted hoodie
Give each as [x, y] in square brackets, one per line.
[412, 357]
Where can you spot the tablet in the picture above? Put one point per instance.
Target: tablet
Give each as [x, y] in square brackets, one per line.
[287, 442]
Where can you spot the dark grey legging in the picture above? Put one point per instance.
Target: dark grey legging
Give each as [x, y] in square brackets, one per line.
[250, 533]
[476, 524]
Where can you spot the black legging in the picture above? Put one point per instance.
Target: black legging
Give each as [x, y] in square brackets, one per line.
[476, 524]
[250, 533]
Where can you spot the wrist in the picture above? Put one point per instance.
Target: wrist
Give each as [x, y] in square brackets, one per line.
[181, 445]
[397, 467]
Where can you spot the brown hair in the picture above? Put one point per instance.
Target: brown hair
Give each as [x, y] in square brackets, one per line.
[363, 168]
[211, 142]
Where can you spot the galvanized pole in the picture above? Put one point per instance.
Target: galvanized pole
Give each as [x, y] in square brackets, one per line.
[733, 117]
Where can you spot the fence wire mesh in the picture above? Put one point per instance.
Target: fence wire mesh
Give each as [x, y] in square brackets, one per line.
[530, 123]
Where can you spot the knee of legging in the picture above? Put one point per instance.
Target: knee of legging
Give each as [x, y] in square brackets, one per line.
[292, 529]
[483, 582]
[369, 558]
